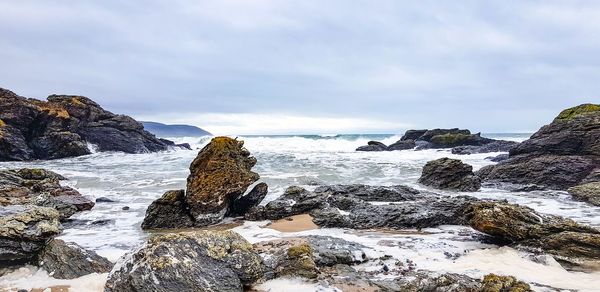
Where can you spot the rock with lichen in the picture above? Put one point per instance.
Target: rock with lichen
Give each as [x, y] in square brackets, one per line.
[64, 260]
[188, 261]
[496, 283]
[588, 192]
[450, 174]
[24, 231]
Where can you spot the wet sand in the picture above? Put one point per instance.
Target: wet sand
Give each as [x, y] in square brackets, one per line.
[295, 223]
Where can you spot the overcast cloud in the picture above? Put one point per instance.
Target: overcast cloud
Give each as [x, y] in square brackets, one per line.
[255, 67]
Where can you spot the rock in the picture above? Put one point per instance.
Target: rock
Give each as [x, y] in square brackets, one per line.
[495, 283]
[220, 174]
[373, 146]
[63, 126]
[244, 203]
[104, 200]
[451, 140]
[560, 155]
[24, 231]
[496, 146]
[497, 158]
[452, 174]
[429, 134]
[413, 135]
[69, 261]
[35, 186]
[294, 201]
[402, 145]
[330, 251]
[188, 261]
[170, 211]
[589, 192]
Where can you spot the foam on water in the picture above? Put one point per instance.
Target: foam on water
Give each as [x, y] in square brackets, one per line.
[135, 180]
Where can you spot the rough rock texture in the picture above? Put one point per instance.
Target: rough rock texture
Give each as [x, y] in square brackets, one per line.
[496, 146]
[560, 155]
[402, 145]
[589, 192]
[220, 174]
[69, 261]
[498, 158]
[373, 146]
[24, 231]
[188, 261]
[34, 186]
[169, 211]
[63, 125]
[244, 203]
[452, 174]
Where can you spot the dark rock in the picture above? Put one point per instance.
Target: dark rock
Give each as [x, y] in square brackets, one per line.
[371, 193]
[294, 201]
[373, 146]
[189, 261]
[125, 208]
[104, 200]
[169, 211]
[63, 126]
[402, 145]
[429, 134]
[452, 174]
[24, 231]
[69, 261]
[244, 203]
[497, 158]
[589, 192]
[451, 140]
[413, 135]
[496, 146]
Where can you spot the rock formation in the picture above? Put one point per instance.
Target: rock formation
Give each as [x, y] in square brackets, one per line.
[589, 192]
[560, 155]
[69, 261]
[451, 174]
[63, 126]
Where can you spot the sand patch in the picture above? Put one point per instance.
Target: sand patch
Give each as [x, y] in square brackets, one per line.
[295, 223]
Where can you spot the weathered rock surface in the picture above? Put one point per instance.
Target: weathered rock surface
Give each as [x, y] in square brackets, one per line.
[560, 155]
[244, 203]
[402, 145]
[69, 261]
[451, 174]
[373, 146]
[34, 186]
[189, 261]
[495, 146]
[589, 192]
[24, 231]
[169, 211]
[63, 125]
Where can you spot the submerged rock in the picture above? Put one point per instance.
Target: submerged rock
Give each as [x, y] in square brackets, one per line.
[69, 261]
[189, 261]
[373, 146]
[63, 126]
[589, 192]
[24, 231]
[452, 174]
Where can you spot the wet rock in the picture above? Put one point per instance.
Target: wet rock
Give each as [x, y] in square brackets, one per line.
[220, 174]
[495, 283]
[24, 231]
[371, 193]
[495, 146]
[169, 211]
[104, 200]
[69, 261]
[189, 261]
[429, 134]
[413, 135]
[497, 158]
[243, 204]
[452, 174]
[294, 201]
[589, 192]
[402, 145]
[373, 146]
[330, 251]
[451, 140]
[63, 126]
[560, 155]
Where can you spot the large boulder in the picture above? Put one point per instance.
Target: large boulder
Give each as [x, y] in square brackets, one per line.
[220, 174]
[560, 155]
[24, 231]
[589, 192]
[169, 211]
[69, 261]
[451, 174]
[189, 261]
[35, 186]
[63, 126]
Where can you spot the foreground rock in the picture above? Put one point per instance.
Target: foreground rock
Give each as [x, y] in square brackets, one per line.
[69, 261]
[63, 126]
[451, 174]
[40, 187]
[589, 192]
[24, 231]
[191, 261]
[562, 154]
[220, 175]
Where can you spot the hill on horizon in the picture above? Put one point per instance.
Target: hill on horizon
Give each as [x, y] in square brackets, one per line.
[164, 130]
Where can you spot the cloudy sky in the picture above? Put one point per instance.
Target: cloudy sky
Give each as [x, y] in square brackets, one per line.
[259, 67]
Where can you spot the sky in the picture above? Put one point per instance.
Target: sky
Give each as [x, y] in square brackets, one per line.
[312, 67]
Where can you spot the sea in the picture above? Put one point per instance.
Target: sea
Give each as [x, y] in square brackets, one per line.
[135, 180]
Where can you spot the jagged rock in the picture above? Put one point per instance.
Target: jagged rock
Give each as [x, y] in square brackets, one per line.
[413, 135]
[188, 261]
[495, 146]
[63, 125]
[330, 251]
[220, 174]
[169, 211]
[496, 283]
[497, 158]
[560, 155]
[244, 203]
[69, 261]
[24, 231]
[373, 146]
[402, 145]
[452, 174]
[35, 186]
[589, 192]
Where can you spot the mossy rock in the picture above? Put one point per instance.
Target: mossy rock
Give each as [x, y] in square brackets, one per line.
[450, 139]
[571, 113]
[589, 192]
[496, 283]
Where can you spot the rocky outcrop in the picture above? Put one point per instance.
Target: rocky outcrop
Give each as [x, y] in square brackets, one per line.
[560, 155]
[34, 186]
[220, 175]
[402, 145]
[373, 146]
[451, 174]
[69, 261]
[496, 146]
[24, 231]
[63, 126]
[589, 192]
[190, 261]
